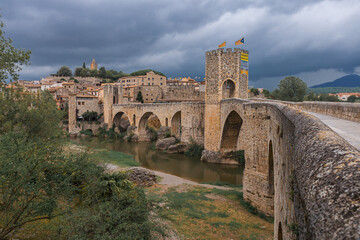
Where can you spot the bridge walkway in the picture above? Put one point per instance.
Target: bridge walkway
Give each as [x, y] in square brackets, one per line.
[348, 130]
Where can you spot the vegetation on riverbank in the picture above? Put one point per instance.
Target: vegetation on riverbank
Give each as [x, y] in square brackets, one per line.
[208, 213]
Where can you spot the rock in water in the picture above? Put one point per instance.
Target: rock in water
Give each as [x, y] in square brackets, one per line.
[165, 143]
[177, 148]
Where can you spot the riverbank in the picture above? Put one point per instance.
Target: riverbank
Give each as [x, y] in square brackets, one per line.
[190, 210]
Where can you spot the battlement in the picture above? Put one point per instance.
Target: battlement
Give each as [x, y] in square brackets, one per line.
[226, 51]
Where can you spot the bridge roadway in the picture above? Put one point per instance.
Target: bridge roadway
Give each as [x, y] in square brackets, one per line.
[348, 130]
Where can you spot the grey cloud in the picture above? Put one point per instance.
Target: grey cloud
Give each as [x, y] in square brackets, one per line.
[283, 37]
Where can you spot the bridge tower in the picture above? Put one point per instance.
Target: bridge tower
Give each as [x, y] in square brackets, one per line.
[226, 77]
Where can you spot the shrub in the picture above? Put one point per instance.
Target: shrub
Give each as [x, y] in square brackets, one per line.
[87, 132]
[194, 149]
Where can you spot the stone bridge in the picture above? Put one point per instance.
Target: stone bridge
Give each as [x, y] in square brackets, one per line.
[296, 168]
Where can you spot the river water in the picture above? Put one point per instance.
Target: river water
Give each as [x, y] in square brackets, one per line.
[190, 168]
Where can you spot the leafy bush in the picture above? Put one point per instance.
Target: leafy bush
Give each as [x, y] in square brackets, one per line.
[153, 133]
[194, 149]
[239, 156]
[87, 132]
[90, 116]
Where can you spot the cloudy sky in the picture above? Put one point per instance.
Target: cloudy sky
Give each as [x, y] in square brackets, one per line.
[316, 40]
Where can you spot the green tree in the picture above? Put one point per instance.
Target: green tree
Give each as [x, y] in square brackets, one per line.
[102, 72]
[64, 71]
[93, 73]
[328, 98]
[77, 72]
[85, 72]
[139, 97]
[255, 91]
[143, 72]
[291, 89]
[90, 116]
[11, 59]
[266, 93]
[311, 96]
[352, 98]
[83, 66]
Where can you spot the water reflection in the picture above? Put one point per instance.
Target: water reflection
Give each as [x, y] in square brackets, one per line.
[177, 164]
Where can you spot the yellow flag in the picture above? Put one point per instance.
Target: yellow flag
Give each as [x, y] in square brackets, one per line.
[222, 45]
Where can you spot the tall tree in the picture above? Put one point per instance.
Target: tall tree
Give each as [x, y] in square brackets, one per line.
[11, 59]
[139, 97]
[64, 71]
[291, 89]
[77, 72]
[102, 72]
[83, 66]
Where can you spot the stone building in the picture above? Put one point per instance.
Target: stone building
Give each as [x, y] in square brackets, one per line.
[150, 79]
[93, 65]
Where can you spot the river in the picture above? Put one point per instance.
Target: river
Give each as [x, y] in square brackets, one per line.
[190, 168]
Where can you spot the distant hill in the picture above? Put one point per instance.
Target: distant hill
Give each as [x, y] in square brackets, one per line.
[352, 80]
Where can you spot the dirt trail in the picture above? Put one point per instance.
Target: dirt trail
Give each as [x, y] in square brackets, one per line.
[167, 179]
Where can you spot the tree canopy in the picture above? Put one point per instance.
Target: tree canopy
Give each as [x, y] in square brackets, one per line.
[64, 71]
[11, 59]
[291, 89]
[143, 72]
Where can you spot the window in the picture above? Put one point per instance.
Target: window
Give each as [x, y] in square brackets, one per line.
[148, 83]
[153, 79]
[83, 103]
[152, 83]
[151, 99]
[79, 103]
[148, 78]
[160, 83]
[161, 78]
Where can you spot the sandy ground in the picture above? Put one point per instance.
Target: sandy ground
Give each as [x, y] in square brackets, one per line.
[167, 180]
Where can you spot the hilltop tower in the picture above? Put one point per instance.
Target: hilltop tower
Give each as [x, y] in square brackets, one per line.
[226, 76]
[93, 65]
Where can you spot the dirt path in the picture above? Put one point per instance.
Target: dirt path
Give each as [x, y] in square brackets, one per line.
[167, 179]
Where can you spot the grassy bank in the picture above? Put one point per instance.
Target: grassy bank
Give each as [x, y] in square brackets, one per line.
[206, 213]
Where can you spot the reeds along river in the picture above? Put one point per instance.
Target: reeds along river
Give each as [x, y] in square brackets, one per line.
[190, 168]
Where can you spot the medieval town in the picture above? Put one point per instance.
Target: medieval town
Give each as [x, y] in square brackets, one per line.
[152, 149]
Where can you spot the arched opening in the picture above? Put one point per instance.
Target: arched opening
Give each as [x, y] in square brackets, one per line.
[176, 125]
[228, 89]
[166, 122]
[271, 169]
[134, 119]
[231, 132]
[280, 236]
[148, 126]
[121, 122]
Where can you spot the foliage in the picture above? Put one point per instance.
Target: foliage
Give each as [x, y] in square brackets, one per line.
[143, 72]
[328, 98]
[294, 228]
[290, 89]
[64, 71]
[90, 116]
[102, 72]
[11, 59]
[153, 133]
[112, 208]
[266, 93]
[239, 156]
[139, 97]
[194, 149]
[255, 91]
[253, 210]
[77, 72]
[335, 90]
[353, 98]
[87, 132]
[83, 66]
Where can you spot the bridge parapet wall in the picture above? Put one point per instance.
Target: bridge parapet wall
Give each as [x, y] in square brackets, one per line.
[348, 111]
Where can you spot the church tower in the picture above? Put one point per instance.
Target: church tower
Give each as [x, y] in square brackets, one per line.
[93, 65]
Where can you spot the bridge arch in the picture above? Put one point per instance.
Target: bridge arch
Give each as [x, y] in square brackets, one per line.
[121, 122]
[176, 124]
[144, 125]
[231, 132]
[228, 89]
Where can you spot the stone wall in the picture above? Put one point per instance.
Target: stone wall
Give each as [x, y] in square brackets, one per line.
[192, 117]
[348, 111]
[299, 170]
[183, 92]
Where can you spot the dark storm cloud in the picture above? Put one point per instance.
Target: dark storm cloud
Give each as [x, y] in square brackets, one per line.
[283, 37]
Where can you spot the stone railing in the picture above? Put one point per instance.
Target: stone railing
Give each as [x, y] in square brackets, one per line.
[348, 111]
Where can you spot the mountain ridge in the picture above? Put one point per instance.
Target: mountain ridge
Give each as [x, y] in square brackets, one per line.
[352, 80]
